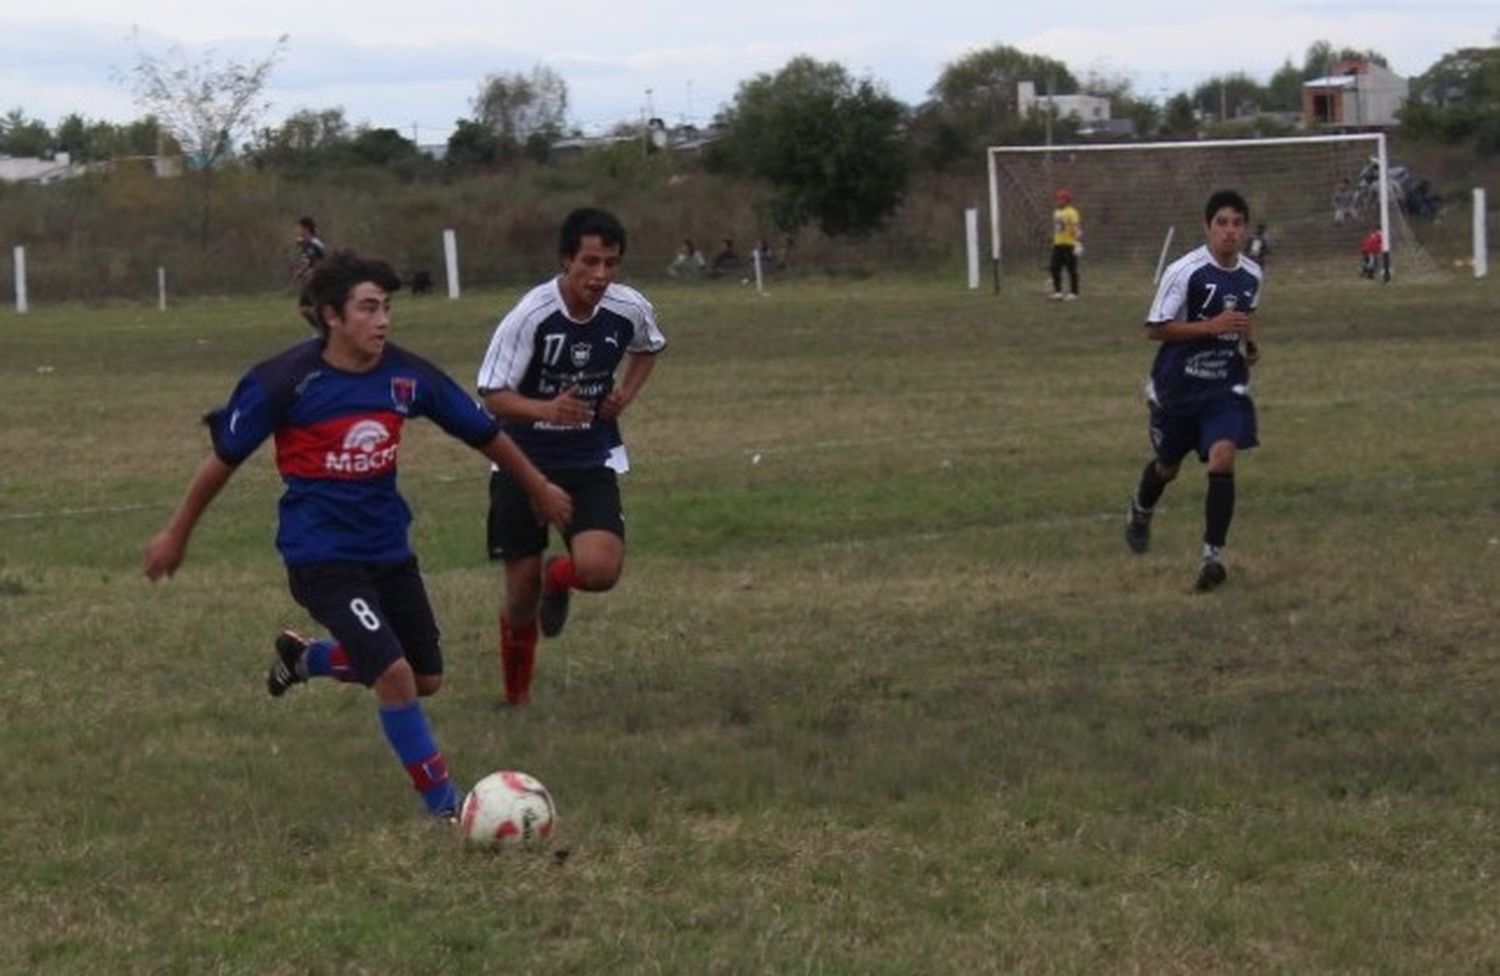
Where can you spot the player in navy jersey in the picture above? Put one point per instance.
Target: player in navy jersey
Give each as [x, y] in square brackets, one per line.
[550, 375]
[1199, 390]
[336, 406]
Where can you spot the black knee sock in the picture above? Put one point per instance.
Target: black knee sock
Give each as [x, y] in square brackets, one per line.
[1148, 493]
[1218, 509]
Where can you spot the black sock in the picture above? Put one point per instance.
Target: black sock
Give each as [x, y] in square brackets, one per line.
[1218, 509]
[1148, 493]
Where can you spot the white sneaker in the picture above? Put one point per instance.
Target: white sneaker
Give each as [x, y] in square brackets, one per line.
[1057, 296]
[1070, 297]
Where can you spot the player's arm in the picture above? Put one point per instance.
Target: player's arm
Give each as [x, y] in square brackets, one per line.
[638, 367]
[566, 409]
[550, 502]
[1180, 331]
[165, 552]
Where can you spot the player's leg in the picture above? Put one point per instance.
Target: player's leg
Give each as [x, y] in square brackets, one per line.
[298, 658]
[1072, 259]
[1226, 429]
[1056, 270]
[596, 546]
[1171, 438]
[349, 604]
[516, 539]
[403, 597]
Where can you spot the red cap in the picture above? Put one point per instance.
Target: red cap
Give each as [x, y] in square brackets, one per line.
[1063, 195]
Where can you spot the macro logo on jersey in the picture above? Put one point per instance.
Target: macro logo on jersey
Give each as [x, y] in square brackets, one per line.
[581, 351]
[403, 393]
[353, 447]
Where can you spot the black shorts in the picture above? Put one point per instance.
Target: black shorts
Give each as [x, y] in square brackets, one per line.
[378, 611]
[513, 529]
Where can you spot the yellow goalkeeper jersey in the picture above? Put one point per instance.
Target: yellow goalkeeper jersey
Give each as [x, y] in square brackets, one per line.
[1065, 225]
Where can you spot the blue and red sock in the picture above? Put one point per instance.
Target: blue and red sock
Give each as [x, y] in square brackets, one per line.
[406, 729]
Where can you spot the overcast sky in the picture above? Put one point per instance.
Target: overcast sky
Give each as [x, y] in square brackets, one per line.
[416, 65]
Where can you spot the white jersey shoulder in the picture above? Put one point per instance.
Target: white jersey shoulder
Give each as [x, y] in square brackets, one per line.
[626, 301]
[509, 353]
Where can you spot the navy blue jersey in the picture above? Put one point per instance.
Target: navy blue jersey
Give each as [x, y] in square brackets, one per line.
[338, 435]
[538, 351]
[1195, 288]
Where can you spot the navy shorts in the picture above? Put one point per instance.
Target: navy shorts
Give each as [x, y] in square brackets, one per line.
[512, 526]
[378, 611]
[1224, 418]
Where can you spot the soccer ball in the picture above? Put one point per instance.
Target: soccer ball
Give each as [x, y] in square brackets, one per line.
[508, 809]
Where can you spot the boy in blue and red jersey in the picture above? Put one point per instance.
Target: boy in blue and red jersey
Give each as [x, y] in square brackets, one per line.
[1199, 390]
[336, 406]
[549, 374]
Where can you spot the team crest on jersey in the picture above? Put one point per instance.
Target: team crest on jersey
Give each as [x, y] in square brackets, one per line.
[580, 353]
[403, 392]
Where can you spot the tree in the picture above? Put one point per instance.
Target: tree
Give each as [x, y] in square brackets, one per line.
[830, 146]
[1284, 91]
[20, 136]
[1179, 118]
[1322, 58]
[202, 103]
[975, 104]
[523, 112]
[1458, 99]
[305, 140]
[1229, 96]
[472, 144]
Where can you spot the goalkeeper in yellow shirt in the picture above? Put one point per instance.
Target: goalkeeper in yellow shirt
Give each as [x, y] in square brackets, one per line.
[1067, 232]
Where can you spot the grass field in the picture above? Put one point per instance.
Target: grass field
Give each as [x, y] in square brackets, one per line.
[881, 692]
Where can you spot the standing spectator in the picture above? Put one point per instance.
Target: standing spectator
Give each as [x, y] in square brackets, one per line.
[549, 375]
[336, 407]
[1259, 248]
[1199, 389]
[1369, 253]
[689, 260]
[310, 249]
[1343, 202]
[1067, 233]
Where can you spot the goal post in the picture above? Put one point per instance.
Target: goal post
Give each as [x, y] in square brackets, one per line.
[1319, 196]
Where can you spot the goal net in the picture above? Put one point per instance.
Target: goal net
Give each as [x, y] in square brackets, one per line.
[1140, 203]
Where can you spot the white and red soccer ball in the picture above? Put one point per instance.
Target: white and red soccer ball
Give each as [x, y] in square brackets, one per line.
[508, 809]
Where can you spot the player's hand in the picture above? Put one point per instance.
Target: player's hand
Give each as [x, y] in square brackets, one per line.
[1227, 322]
[1252, 352]
[163, 555]
[552, 505]
[568, 410]
[614, 404]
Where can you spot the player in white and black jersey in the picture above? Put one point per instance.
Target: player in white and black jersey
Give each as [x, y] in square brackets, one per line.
[1199, 389]
[550, 376]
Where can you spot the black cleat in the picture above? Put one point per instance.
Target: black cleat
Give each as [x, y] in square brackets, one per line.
[554, 610]
[286, 669]
[1210, 577]
[1138, 531]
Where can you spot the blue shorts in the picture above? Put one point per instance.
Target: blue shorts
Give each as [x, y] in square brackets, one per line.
[1223, 418]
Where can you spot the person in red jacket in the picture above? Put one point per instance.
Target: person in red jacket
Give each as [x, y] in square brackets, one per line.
[1369, 253]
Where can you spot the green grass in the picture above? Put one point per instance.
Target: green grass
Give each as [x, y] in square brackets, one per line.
[892, 698]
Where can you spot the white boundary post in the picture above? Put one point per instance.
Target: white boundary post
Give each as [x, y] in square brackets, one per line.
[760, 278]
[450, 257]
[994, 220]
[1385, 212]
[19, 253]
[971, 245]
[1161, 261]
[1481, 244]
[161, 288]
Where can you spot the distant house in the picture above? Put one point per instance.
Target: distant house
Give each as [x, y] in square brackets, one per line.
[1358, 94]
[1091, 111]
[25, 169]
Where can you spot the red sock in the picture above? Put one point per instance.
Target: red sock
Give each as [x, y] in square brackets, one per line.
[560, 576]
[517, 660]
